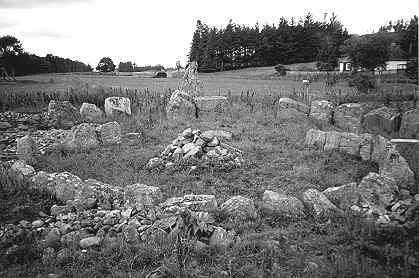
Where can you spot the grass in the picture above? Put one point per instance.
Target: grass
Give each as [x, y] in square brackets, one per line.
[271, 246]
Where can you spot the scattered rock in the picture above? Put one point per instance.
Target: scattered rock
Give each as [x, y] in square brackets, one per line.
[221, 238]
[90, 242]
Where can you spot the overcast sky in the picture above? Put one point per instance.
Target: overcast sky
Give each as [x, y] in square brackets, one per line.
[160, 31]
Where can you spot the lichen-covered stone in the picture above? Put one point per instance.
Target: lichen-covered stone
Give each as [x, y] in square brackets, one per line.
[239, 207]
[315, 137]
[318, 203]
[109, 133]
[90, 113]
[321, 111]
[348, 116]
[27, 150]
[82, 137]
[121, 104]
[281, 204]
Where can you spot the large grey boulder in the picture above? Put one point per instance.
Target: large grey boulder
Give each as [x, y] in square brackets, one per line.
[121, 104]
[318, 203]
[90, 113]
[64, 186]
[379, 148]
[82, 137]
[409, 149]
[190, 84]
[350, 143]
[316, 138]
[290, 103]
[141, 196]
[343, 196]
[321, 111]
[348, 116]
[395, 164]
[280, 204]
[409, 127]
[240, 208]
[382, 121]
[181, 105]
[378, 191]
[27, 150]
[332, 140]
[109, 133]
[62, 114]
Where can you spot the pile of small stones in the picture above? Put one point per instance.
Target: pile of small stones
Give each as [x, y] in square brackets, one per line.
[198, 144]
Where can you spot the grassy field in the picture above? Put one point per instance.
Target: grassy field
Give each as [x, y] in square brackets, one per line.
[276, 159]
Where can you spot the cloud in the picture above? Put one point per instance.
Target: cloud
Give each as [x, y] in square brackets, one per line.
[42, 33]
[30, 4]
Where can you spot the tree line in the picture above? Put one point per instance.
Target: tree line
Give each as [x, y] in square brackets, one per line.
[16, 61]
[288, 42]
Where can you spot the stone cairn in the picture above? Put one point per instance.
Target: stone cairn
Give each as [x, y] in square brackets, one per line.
[196, 144]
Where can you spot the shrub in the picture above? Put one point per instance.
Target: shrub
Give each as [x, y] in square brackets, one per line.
[362, 82]
[280, 68]
[412, 68]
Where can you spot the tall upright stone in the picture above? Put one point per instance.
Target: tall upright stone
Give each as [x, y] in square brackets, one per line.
[121, 104]
[90, 112]
[321, 111]
[109, 133]
[27, 149]
[409, 149]
[382, 121]
[82, 137]
[348, 116]
[409, 127]
[62, 114]
[191, 85]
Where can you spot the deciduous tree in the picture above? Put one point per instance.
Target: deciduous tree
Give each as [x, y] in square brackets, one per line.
[106, 65]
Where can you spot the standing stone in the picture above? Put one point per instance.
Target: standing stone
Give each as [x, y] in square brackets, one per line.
[316, 138]
[395, 164]
[181, 105]
[409, 127]
[409, 149]
[82, 137]
[379, 148]
[321, 111]
[27, 150]
[239, 207]
[63, 114]
[348, 116]
[109, 133]
[318, 203]
[290, 103]
[382, 121]
[190, 84]
[350, 143]
[343, 196]
[366, 146]
[90, 113]
[332, 140]
[280, 204]
[121, 104]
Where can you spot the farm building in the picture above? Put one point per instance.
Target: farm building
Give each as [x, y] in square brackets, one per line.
[397, 62]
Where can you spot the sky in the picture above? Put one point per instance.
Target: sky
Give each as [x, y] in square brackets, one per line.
[160, 31]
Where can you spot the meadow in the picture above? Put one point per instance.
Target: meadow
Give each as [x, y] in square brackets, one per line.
[276, 159]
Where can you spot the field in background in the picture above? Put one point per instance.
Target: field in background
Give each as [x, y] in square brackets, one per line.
[276, 159]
